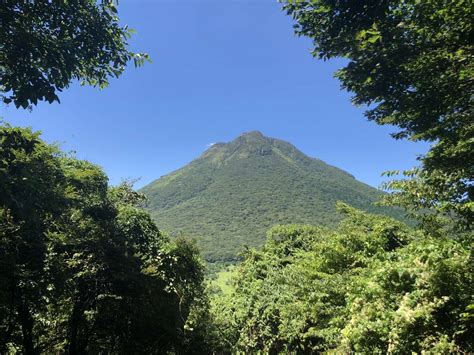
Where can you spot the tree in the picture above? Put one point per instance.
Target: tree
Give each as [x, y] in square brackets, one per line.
[372, 285]
[412, 63]
[48, 44]
[31, 199]
[83, 267]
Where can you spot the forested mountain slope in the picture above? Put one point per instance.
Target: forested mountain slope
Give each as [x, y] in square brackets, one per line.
[232, 193]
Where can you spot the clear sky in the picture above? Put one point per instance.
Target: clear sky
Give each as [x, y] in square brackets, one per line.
[220, 68]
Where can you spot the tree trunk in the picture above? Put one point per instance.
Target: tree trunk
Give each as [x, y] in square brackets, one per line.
[26, 322]
[10, 322]
[76, 345]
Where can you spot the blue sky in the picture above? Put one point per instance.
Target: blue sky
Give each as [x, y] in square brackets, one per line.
[220, 68]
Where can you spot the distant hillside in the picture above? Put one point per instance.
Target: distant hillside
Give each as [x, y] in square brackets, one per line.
[232, 193]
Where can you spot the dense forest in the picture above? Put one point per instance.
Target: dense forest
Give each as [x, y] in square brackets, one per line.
[86, 269]
[371, 285]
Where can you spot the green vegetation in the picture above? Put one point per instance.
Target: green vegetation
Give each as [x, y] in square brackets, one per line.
[45, 45]
[412, 62]
[84, 269]
[223, 281]
[372, 285]
[234, 192]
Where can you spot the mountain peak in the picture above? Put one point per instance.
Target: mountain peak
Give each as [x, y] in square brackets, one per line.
[235, 191]
[252, 137]
[254, 144]
[253, 134]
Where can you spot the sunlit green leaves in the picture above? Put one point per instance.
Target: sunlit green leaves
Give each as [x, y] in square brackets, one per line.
[46, 45]
[81, 262]
[373, 285]
[411, 63]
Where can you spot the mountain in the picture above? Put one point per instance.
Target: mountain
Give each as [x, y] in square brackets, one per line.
[232, 193]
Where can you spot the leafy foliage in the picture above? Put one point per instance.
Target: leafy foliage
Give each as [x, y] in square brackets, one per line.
[84, 268]
[47, 44]
[373, 285]
[234, 192]
[412, 63]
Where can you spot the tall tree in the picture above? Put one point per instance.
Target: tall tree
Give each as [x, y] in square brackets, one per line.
[83, 268]
[411, 62]
[47, 44]
[32, 183]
